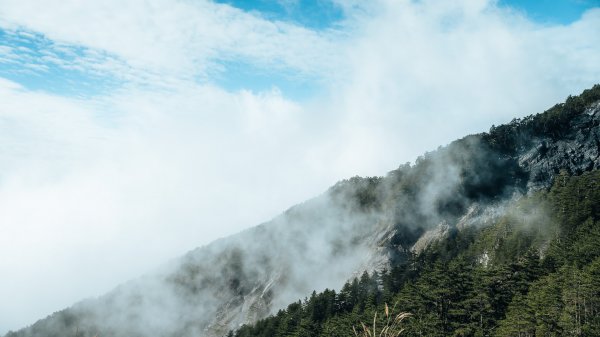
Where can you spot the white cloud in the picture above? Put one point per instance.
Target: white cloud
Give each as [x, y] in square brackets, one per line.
[182, 38]
[95, 191]
[424, 73]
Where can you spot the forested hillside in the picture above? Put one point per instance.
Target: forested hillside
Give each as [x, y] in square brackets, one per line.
[534, 272]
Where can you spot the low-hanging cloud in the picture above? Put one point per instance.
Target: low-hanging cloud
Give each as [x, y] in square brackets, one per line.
[97, 190]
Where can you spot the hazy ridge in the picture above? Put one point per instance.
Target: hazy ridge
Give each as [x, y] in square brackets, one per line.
[372, 223]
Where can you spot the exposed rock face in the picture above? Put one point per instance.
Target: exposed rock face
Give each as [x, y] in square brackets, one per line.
[577, 151]
[540, 160]
[441, 231]
[359, 224]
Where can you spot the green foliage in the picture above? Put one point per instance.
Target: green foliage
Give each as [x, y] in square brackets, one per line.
[542, 278]
[551, 123]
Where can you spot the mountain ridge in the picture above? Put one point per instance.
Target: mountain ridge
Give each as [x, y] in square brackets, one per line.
[358, 224]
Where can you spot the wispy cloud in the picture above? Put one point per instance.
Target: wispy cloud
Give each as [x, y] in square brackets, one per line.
[182, 39]
[157, 157]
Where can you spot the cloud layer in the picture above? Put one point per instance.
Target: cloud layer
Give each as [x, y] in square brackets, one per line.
[97, 190]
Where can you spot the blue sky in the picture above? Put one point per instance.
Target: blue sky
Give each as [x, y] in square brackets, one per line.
[315, 14]
[153, 127]
[38, 63]
[239, 75]
[552, 11]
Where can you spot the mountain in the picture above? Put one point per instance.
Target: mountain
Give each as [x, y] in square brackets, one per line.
[484, 202]
[519, 255]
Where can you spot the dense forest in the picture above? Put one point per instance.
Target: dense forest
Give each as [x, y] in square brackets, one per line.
[535, 271]
[541, 278]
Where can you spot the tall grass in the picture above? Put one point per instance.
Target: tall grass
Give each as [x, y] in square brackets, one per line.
[392, 325]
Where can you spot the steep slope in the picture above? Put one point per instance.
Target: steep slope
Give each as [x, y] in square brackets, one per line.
[535, 271]
[520, 265]
[358, 224]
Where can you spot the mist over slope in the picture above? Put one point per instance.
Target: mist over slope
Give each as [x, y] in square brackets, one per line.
[522, 265]
[359, 224]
